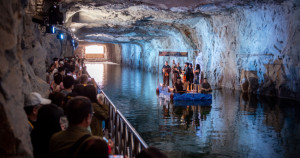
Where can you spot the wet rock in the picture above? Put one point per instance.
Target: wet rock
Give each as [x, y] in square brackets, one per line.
[249, 81]
[52, 46]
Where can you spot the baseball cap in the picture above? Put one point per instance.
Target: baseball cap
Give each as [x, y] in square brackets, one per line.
[35, 99]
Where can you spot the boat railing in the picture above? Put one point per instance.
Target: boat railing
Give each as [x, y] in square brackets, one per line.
[126, 139]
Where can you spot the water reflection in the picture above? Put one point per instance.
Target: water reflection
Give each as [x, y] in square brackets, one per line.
[234, 125]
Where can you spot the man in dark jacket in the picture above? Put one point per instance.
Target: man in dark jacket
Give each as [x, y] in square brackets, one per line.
[66, 143]
[166, 73]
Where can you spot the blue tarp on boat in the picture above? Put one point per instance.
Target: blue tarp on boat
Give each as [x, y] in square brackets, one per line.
[192, 97]
[193, 102]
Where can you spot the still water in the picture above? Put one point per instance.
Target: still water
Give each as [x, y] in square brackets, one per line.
[235, 125]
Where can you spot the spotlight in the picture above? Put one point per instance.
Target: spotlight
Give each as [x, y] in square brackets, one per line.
[50, 29]
[53, 29]
[60, 36]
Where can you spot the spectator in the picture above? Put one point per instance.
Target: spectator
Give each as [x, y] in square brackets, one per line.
[94, 148]
[66, 143]
[68, 83]
[101, 110]
[84, 79]
[62, 71]
[83, 82]
[57, 84]
[48, 123]
[151, 152]
[32, 105]
[61, 62]
[57, 98]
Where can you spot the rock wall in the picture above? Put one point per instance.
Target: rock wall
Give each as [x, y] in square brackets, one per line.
[145, 54]
[55, 48]
[14, 78]
[261, 39]
[113, 52]
[24, 48]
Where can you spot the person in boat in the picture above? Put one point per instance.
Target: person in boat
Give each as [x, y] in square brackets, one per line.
[178, 86]
[175, 74]
[205, 86]
[191, 75]
[186, 71]
[196, 75]
[186, 75]
[173, 64]
[179, 68]
[166, 73]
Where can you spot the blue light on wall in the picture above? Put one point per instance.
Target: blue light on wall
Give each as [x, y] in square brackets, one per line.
[53, 29]
[61, 36]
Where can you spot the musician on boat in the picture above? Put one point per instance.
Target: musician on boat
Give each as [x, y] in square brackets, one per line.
[178, 86]
[205, 87]
[166, 73]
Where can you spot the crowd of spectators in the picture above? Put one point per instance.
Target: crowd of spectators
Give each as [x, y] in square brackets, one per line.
[69, 122]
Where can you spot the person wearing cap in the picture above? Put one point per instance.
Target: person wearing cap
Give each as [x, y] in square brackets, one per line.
[33, 102]
[205, 86]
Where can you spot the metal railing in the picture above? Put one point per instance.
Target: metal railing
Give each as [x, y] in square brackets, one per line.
[126, 138]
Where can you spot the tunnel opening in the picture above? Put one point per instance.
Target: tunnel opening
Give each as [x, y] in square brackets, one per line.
[94, 51]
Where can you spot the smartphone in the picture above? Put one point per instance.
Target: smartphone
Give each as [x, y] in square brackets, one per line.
[116, 156]
[89, 79]
[80, 68]
[75, 77]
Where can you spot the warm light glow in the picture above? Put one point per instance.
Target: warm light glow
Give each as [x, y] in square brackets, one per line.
[97, 72]
[94, 49]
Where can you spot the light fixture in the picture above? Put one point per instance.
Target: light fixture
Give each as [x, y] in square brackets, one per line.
[53, 29]
[60, 36]
[50, 29]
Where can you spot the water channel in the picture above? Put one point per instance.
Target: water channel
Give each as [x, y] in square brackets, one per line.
[235, 125]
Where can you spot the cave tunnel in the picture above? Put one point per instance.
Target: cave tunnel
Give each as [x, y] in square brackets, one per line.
[249, 52]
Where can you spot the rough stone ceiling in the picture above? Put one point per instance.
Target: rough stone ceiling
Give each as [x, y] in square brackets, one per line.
[137, 20]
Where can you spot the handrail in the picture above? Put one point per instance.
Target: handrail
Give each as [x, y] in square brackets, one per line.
[127, 123]
[126, 139]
